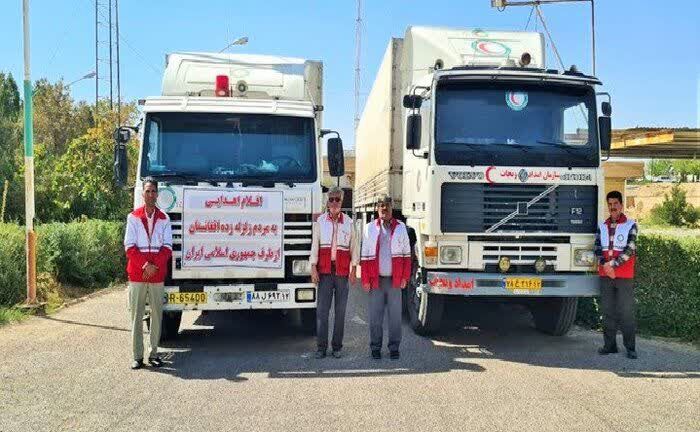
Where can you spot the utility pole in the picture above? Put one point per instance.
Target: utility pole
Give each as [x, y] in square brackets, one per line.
[119, 85]
[358, 52]
[29, 163]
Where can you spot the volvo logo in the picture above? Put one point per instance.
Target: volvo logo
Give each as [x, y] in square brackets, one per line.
[522, 175]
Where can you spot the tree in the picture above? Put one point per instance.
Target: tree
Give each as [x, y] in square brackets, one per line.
[82, 183]
[9, 97]
[10, 144]
[72, 157]
[659, 167]
[57, 119]
[676, 210]
[686, 167]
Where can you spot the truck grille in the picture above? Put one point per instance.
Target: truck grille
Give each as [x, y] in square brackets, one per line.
[474, 208]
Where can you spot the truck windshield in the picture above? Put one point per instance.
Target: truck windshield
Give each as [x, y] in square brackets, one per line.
[229, 147]
[515, 124]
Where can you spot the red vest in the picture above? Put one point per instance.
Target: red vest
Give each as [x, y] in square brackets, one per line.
[342, 230]
[620, 239]
[143, 247]
[400, 254]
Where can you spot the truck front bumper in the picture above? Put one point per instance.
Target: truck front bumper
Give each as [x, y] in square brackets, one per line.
[494, 284]
[241, 297]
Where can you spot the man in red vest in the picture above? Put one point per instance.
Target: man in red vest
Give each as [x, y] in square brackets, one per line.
[148, 243]
[386, 269]
[616, 249]
[334, 256]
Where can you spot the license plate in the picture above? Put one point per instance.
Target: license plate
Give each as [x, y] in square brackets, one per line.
[518, 285]
[187, 298]
[267, 296]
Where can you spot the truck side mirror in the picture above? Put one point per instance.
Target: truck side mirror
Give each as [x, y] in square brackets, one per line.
[122, 136]
[605, 128]
[606, 108]
[336, 159]
[413, 131]
[412, 101]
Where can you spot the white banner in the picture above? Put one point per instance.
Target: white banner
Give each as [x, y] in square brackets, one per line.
[232, 228]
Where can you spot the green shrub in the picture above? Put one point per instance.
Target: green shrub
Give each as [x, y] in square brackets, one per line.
[675, 210]
[667, 288]
[84, 254]
[12, 264]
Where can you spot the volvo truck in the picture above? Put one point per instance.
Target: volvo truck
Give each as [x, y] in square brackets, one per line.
[493, 160]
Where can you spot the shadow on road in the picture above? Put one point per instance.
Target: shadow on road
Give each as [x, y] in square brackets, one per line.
[236, 346]
[506, 332]
[104, 327]
[232, 346]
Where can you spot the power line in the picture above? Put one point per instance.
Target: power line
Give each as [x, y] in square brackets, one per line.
[529, 18]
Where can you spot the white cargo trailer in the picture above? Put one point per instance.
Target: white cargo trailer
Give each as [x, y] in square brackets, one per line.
[493, 161]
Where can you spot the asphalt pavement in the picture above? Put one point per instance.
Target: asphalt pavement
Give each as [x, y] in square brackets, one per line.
[489, 370]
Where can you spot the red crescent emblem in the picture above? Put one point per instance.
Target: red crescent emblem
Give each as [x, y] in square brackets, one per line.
[488, 171]
[484, 48]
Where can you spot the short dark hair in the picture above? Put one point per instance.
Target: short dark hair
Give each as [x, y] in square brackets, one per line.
[150, 180]
[614, 194]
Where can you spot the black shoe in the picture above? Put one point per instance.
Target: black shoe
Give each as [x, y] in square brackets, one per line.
[137, 364]
[606, 350]
[337, 354]
[631, 354]
[155, 362]
[394, 355]
[376, 354]
[320, 354]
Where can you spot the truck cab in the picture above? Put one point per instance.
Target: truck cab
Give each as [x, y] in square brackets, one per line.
[499, 166]
[235, 144]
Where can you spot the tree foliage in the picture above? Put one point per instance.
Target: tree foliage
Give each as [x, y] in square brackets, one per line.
[676, 210]
[73, 152]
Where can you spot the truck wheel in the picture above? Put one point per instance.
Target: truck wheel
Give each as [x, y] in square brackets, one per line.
[424, 310]
[170, 325]
[554, 316]
[308, 321]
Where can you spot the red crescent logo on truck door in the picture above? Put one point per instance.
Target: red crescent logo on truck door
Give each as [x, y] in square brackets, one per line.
[487, 174]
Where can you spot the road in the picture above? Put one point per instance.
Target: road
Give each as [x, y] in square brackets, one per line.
[489, 371]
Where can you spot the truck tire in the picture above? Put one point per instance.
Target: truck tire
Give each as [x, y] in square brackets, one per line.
[424, 310]
[170, 325]
[307, 317]
[554, 316]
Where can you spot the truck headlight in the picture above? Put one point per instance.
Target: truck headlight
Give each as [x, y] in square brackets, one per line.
[301, 268]
[450, 254]
[584, 257]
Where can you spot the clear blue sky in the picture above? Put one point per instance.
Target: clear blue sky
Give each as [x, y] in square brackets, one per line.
[648, 51]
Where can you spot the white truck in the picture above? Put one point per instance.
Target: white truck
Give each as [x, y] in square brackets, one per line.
[235, 144]
[493, 161]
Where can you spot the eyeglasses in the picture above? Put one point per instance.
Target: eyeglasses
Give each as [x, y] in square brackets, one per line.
[334, 199]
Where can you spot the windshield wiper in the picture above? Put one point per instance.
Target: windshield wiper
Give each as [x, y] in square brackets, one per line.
[558, 144]
[183, 178]
[266, 183]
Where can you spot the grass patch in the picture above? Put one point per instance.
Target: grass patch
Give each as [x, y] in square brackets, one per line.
[11, 314]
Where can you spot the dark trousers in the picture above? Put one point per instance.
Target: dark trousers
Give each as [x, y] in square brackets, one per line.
[617, 305]
[331, 287]
[385, 298]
